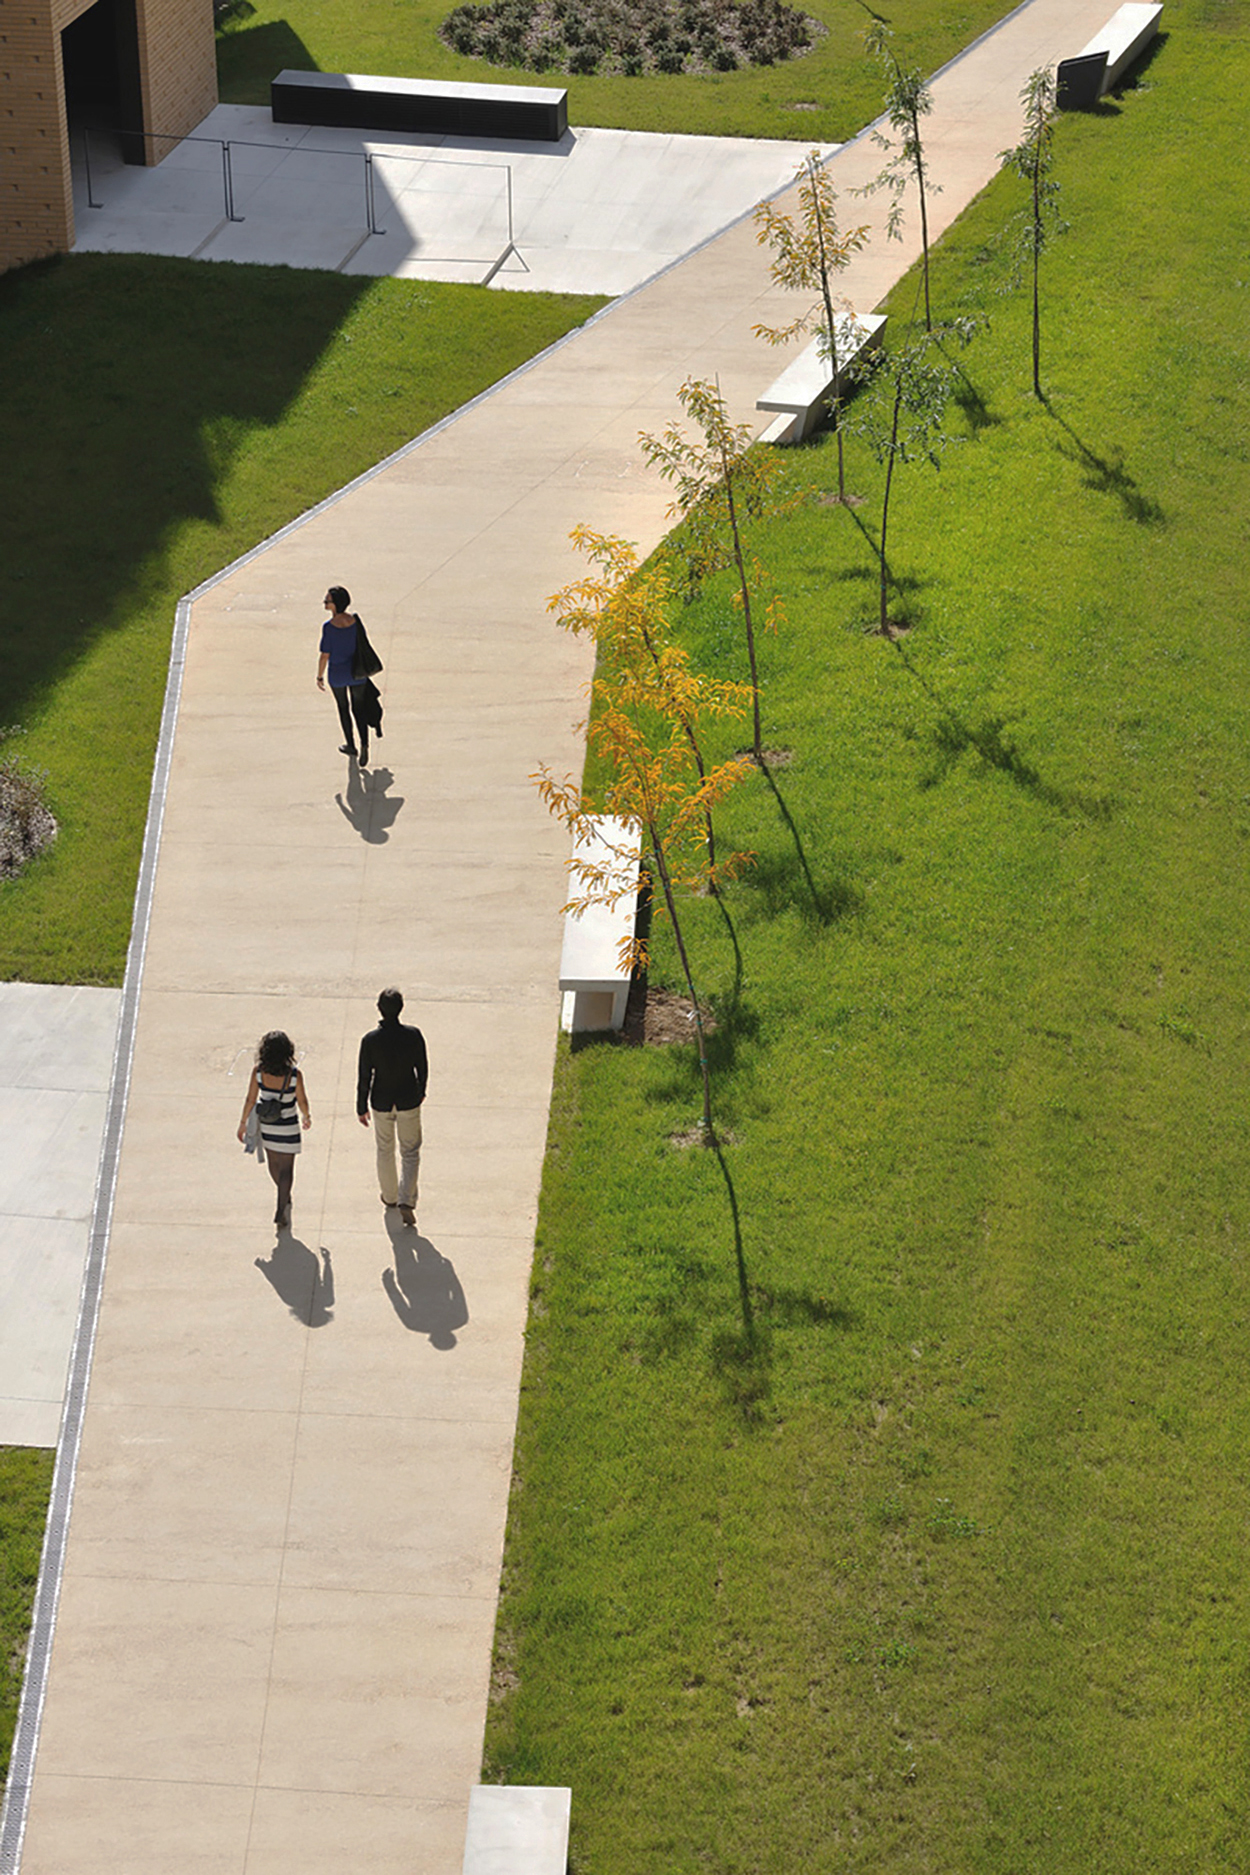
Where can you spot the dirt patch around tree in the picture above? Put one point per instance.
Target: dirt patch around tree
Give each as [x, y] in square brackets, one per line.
[658, 1018]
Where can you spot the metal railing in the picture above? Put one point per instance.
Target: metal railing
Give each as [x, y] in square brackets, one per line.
[366, 157]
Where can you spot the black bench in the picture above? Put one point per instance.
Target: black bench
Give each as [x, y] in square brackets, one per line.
[350, 102]
[1081, 81]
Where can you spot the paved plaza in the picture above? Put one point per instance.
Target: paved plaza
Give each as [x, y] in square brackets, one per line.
[598, 212]
[278, 1582]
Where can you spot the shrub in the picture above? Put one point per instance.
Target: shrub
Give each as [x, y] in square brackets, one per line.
[630, 36]
[26, 821]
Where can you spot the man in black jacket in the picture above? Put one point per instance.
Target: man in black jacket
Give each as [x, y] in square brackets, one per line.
[391, 1079]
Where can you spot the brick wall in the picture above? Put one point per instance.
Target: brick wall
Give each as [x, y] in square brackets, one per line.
[178, 80]
[178, 65]
[36, 212]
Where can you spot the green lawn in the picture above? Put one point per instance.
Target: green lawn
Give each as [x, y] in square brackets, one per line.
[25, 1482]
[167, 415]
[947, 1571]
[400, 38]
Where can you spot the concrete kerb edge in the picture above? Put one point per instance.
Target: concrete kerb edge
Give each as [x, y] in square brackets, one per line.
[52, 1560]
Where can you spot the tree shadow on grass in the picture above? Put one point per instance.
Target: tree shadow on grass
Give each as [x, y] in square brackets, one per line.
[788, 879]
[742, 1356]
[969, 401]
[248, 57]
[906, 586]
[797, 1308]
[954, 737]
[1107, 475]
[131, 380]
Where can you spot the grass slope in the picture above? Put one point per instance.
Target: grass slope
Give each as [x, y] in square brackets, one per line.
[400, 38]
[166, 416]
[25, 1484]
[946, 1570]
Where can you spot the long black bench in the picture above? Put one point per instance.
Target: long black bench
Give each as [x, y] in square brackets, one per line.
[350, 102]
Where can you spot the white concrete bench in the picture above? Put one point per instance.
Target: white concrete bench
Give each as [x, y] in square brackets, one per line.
[593, 981]
[801, 394]
[1082, 80]
[517, 1829]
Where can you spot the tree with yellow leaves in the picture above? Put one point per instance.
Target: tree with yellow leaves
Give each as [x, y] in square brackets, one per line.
[651, 787]
[808, 250]
[625, 608]
[646, 704]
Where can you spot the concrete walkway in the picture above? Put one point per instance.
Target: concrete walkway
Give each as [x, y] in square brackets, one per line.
[278, 1594]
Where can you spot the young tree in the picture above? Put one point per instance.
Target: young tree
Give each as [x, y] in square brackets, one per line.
[721, 483]
[652, 787]
[1032, 159]
[907, 100]
[625, 608]
[903, 421]
[807, 252]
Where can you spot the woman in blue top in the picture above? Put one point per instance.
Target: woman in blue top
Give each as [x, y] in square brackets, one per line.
[338, 649]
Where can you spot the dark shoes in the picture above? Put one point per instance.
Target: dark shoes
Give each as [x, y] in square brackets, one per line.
[345, 748]
[409, 1216]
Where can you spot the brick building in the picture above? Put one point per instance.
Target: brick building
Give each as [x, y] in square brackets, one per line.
[144, 67]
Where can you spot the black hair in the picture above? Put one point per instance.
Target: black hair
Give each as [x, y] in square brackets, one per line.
[390, 1002]
[276, 1054]
[341, 597]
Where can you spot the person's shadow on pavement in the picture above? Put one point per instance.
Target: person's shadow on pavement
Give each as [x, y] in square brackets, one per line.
[304, 1281]
[424, 1289]
[371, 811]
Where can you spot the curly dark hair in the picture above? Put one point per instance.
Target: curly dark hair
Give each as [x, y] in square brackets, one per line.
[276, 1053]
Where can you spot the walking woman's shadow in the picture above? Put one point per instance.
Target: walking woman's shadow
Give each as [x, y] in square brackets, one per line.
[367, 805]
[304, 1281]
[424, 1289]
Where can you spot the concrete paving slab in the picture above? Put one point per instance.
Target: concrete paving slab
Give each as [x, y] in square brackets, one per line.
[188, 1705]
[212, 1822]
[334, 1829]
[144, 1523]
[368, 1692]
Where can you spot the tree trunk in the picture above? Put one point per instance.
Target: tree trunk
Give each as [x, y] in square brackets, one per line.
[835, 406]
[885, 504]
[1037, 256]
[696, 751]
[924, 218]
[745, 588]
[657, 850]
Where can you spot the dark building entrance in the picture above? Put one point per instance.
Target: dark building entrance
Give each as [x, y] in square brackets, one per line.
[100, 56]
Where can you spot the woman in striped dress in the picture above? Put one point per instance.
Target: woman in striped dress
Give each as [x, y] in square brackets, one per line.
[277, 1090]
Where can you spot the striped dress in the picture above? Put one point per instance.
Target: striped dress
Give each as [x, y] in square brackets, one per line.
[283, 1133]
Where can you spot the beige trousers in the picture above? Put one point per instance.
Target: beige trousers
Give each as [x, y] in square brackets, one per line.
[400, 1126]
